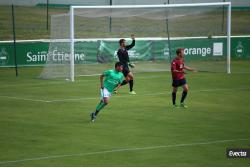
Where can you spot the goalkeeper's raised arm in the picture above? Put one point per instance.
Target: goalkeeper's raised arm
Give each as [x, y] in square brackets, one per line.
[132, 44]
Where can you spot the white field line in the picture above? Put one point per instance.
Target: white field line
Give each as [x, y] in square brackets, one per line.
[48, 83]
[122, 150]
[26, 99]
[95, 77]
[65, 82]
[122, 96]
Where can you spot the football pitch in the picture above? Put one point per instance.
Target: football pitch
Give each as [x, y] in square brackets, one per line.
[46, 123]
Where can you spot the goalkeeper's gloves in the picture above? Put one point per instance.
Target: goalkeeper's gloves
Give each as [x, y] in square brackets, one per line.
[132, 65]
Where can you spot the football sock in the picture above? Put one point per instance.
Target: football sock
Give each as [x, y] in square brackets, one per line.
[100, 106]
[131, 84]
[124, 82]
[184, 94]
[173, 97]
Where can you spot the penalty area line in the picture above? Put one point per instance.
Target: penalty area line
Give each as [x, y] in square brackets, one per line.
[144, 94]
[122, 96]
[25, 99]
[122, 150]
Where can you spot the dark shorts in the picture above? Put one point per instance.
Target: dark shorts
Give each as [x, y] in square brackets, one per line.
[179, 82]
[125, 71]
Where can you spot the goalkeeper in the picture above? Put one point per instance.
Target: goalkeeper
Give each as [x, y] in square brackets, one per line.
[113, 80]
[122, 54]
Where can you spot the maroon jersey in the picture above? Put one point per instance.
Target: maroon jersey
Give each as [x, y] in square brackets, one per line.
[177, 64]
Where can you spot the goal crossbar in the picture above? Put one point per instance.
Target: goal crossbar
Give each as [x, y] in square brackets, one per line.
[154, 6]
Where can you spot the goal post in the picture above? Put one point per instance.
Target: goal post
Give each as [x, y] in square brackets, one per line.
[229, 37]
[72, 41]
[91, 23]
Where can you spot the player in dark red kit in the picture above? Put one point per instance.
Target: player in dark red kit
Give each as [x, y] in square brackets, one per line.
[178, 76]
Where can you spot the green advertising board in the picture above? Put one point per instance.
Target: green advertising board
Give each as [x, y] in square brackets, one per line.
[35, 53]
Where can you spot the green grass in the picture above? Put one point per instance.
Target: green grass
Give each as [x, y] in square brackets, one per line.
[218, 110]
[31, 23]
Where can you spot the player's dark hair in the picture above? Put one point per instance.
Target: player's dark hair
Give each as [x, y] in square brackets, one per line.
[179, 50]
[117, 64]
[121, 41]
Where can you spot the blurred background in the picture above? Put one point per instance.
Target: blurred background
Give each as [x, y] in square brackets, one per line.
[32, 17]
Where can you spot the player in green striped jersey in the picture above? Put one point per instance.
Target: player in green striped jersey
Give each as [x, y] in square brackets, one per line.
[110, 80]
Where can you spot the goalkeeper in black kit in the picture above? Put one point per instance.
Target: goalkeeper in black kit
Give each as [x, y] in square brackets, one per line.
[122, 54]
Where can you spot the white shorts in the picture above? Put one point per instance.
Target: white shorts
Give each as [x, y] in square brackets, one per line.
[105, 93]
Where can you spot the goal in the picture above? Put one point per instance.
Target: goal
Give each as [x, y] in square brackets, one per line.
[85, 40]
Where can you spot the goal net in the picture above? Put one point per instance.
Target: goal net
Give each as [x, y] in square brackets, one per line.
[85, 40]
